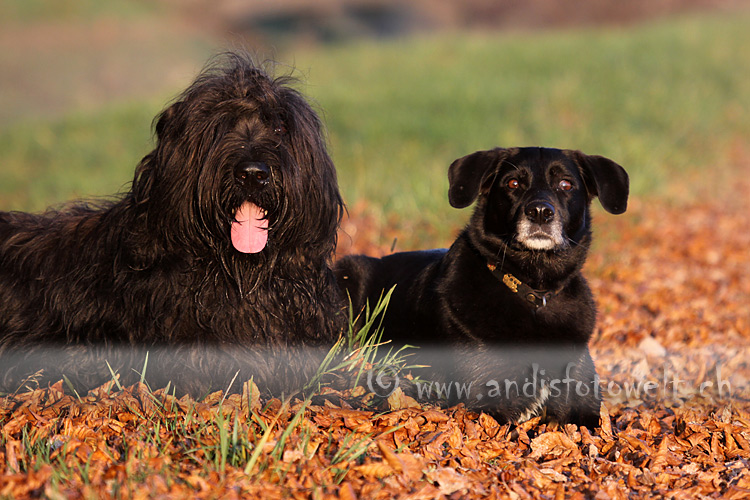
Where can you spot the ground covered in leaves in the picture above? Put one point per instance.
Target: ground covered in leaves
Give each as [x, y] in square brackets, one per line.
[672, 349]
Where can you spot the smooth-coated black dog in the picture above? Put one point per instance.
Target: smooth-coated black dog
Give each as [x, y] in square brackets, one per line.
[504, 316]
[215, 261]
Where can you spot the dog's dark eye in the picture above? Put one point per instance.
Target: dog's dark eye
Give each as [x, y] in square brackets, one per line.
[280, 130]
[565, 185]
[513, 184]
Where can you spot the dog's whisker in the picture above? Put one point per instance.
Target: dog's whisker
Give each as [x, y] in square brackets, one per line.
[572, 242]
[512, 164]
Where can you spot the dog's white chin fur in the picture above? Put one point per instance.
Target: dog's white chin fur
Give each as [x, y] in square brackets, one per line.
[536, 237]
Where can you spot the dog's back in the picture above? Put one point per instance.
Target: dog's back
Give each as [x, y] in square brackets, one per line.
[366, 279]
[38, 277]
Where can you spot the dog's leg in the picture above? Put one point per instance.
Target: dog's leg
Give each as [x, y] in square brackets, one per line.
[577, 396]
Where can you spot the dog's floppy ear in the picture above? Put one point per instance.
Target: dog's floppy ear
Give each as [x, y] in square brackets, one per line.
[466, 175]
[605, 179]
[170, 120]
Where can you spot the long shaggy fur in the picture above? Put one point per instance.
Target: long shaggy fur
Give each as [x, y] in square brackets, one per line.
[156, 269]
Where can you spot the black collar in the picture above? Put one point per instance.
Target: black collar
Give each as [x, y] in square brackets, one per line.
[537, 298]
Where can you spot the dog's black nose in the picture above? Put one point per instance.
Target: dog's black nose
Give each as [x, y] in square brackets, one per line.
[540, 212]
[253, 174]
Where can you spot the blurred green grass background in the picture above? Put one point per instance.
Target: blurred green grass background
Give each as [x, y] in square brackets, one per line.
[35, 11]
[662, 98]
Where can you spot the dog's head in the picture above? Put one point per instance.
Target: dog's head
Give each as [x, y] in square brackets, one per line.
[535, 199]
[240, 167]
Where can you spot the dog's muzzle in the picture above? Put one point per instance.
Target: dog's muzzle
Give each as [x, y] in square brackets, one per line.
[250, 226]
[540, 212]
[539, 228]
[253, 175]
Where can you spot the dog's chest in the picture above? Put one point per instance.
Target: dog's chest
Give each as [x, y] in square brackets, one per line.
[491, 312]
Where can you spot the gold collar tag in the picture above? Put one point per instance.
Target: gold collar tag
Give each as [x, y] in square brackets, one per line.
[511, 282]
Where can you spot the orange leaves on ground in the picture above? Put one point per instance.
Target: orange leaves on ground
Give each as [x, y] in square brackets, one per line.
[553, 445]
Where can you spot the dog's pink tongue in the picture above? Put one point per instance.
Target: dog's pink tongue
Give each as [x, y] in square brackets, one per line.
[250, 232]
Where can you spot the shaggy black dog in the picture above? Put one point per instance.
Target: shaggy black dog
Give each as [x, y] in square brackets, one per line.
[216, 261]
[504, 316]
